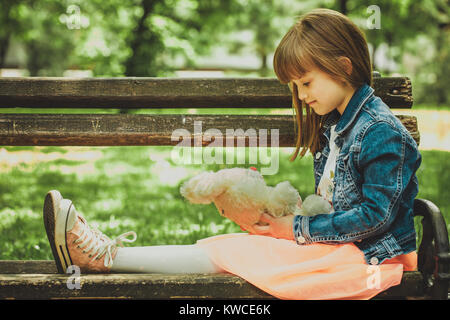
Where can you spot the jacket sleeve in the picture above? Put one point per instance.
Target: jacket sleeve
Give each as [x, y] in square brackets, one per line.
[381, 162]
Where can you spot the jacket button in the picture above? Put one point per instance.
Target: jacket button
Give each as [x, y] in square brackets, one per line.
[318, 155]
[301, 239]
[374, 261]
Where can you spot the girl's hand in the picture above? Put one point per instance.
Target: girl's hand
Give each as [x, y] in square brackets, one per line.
[281, 228]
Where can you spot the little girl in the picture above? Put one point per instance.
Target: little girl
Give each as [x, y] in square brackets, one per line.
[364, 164]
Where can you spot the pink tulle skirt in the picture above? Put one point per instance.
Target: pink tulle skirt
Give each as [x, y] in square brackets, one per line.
[316, 271]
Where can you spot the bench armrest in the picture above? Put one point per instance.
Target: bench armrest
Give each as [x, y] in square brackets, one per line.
[434, 252]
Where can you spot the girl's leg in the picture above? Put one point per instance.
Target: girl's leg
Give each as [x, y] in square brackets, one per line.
[164, 259]
[74, 242]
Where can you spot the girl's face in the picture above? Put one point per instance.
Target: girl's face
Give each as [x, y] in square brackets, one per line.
[322, 93]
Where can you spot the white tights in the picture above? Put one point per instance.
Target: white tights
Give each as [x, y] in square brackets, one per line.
[164, 259]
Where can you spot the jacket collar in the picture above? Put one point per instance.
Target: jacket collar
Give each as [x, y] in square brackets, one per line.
[359, 98]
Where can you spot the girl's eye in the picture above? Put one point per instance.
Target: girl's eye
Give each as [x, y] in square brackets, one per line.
[306, 84]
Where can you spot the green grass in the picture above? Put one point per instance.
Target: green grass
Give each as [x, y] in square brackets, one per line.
[137, 188]
[418, 106]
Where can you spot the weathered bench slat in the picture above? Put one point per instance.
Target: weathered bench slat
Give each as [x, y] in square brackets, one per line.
[133, 92]
[128, 286]
[39, 280]
[27, 266]
[151, 130]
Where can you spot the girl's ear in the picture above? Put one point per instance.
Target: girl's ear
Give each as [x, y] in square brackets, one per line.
[347, 64]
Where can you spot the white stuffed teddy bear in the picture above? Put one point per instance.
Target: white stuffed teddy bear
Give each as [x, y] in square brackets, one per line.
[242, 196]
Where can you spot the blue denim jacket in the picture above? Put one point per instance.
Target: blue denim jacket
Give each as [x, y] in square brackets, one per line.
[375, 182]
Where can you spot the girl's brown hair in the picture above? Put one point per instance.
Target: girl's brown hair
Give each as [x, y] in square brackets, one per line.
[318, 39]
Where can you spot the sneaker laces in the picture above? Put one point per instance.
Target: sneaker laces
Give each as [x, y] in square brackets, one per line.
[100, 244]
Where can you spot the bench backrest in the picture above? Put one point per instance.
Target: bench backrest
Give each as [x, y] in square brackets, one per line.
[157, 129]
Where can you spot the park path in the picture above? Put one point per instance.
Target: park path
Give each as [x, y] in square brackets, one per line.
[434, 128]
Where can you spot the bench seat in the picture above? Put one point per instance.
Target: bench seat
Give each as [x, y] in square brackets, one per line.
[39, 279]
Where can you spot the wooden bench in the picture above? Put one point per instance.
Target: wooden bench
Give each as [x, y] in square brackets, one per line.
[40, 280]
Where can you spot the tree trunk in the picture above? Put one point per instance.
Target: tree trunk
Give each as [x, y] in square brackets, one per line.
[442, 50]
[5, 20]
[132, 65]
[343, 6]
[374, 66]
[389, 41]
[264, 70]
[33, 64]
[4, 45]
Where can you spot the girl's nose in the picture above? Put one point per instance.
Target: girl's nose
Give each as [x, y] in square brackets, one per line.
[302, 95]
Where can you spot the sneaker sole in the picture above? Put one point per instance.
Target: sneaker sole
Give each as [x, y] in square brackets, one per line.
[56, 212]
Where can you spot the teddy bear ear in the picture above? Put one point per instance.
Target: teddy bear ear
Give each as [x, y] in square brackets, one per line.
[202, 188]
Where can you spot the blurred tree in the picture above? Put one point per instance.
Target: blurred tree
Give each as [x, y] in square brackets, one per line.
[124, 37]
[268, 21]
[342, 6]
[398, 23]
[262, 18]
[36, 25]
[155, 37]
[152, 37]
[402, 23]
[437, 91]
[145, 44]
[8, 23]
[47, 41]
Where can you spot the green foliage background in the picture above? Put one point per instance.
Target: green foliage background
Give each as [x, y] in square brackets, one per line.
[156, 37]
